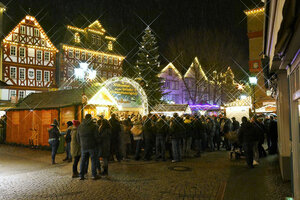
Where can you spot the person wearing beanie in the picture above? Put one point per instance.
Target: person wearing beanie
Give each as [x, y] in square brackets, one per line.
[54, 135]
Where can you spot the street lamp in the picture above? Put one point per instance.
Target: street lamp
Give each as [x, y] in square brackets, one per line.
[253, 82]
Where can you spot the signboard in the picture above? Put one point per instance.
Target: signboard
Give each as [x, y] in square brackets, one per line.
[125, 94]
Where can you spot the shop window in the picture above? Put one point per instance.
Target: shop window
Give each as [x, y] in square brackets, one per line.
[13, 51]
[21, 73]
[13, 72]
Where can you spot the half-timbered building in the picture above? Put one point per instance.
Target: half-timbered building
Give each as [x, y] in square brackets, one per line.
[28, 60]
[91, 45]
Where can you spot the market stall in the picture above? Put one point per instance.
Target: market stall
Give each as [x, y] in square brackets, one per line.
[238, 108]
[170, 109]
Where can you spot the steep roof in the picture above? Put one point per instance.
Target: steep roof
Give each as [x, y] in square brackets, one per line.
[55, 99]
[170, 65]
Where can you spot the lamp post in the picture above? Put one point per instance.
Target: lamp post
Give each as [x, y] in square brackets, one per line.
[253, 82]
[84, 74]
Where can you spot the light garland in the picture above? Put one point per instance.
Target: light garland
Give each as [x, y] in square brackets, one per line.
[97, 23]
[67, 47]
[75, 28]
[170, 65]
[110, 38]
[200, 69]
[94, 31]
[30, 46]
[254, 11]
[31, 18]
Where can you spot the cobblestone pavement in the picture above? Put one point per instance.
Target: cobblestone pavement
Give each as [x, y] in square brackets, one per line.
[28, 174]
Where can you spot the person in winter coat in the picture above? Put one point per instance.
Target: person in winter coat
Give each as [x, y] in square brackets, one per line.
[203, 133]
[197, 128]
[105, 134]
[125, 138]
[68, 142]
[177, 130]
[247, 137]
[137, 132]
[54, 135]
[148, 135]
[210, 130]
[115, 137]
[217, 138]
[87, 134]
[258, 130]
[75, 148]
[187, 140]
[273, 135]
[161, 132]
[227, 128]
[235, 124]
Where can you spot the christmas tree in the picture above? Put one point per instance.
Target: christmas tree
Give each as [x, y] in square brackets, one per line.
[148, 68]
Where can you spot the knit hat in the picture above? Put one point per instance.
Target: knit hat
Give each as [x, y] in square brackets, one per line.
[55, 123]
[69, 123]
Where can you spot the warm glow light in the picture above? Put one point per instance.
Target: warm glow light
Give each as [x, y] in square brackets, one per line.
[84, 66]
[240, 86]
[253, 80]
[110, 38]
[243, 97]
[79, 73]
[253, 11]
[92, 74]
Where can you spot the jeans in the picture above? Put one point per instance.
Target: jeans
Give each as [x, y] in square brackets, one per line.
[248, 147]
[160, 147]
[210, 142]
[187, 144]
[54, 146]
[176, 149]
[68, 151]
[255, 152]
[138, 149]
[198, 147]
[75, 164]
[85, 155]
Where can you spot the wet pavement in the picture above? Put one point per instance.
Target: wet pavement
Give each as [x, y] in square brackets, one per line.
[27, 174]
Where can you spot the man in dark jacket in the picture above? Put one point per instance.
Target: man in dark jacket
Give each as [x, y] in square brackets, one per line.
[54, 135]
[197, 129]
[87, 136]
[247, 137]
[187, 140]
[273, 135]
[161, 132]
[235, 124]
[115, 137]
[176, 131]
[210, 130]
[148, 135]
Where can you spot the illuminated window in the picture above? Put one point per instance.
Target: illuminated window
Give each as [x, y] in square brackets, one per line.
[71, 53]
[39, 75]
[36, 32]
[21, 94]
[99, 58]
[115, 61]
[105, 59]
[47, 76]
[21, 73]
[47, 56]
[13, 72]
[82, 55]
[110, 60]
[22, 29]
[22, 52]
[77, 54]
[29, 31]
[13, 51]
[77, 37]
[39, 55]
[110, 46]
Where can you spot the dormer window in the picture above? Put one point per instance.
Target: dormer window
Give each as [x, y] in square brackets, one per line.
[110, 46]
[77, 38]
[22, 29]
[94, 39]
[36, 32]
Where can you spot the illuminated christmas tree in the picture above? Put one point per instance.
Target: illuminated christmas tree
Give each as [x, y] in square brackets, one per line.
[148, 68]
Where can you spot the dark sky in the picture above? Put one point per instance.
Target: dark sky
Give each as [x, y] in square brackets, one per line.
[128, 18]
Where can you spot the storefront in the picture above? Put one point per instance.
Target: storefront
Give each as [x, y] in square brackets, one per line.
[29, 120]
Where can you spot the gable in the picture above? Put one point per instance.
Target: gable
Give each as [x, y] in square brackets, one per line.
[103, 97]
[195, 66]
[30, 25]
[96, 26]
[171, 66]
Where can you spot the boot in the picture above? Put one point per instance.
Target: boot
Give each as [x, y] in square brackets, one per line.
[75, 175]
[65, 159]
[105, 172]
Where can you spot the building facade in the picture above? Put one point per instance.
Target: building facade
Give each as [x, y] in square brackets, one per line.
[281, 55]
[29, 60]
[91, 45]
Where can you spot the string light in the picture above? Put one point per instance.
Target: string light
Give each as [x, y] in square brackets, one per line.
[254, 11]
[170, 65]
[110, 38]
[75, 28]
[200, 69]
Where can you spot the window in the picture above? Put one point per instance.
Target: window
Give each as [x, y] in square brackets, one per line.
[89, 56]
[22, 52]
[21, 73]
[13, 51]
[71, 53]
[39, 75]
[105, 59]
[77, 38]
[170, 71]
[77, 54]
[13, 93]
[82, 55]
[115, 61]
[22, 29]
[36, 32]
[110, 60]
[167, 84]
[176, 85]
[94, 40]
[15, 38]
[31, 73]
[39, 54]
[46, 76]
[47, 56]
[99, 58]
[70, 72]
[13, 72]
[21, 94]
[110, 46]
[29, 31]
[31, 52]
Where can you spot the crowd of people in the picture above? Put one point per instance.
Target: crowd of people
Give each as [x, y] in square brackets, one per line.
[159, 138]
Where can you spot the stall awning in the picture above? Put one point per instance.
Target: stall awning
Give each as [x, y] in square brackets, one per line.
[168, 108]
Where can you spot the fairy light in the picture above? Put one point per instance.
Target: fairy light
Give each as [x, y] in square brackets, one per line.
[254, 11]
[170, 65]
[200, 69]
[75, 28]
[94, 31]
[110, 38]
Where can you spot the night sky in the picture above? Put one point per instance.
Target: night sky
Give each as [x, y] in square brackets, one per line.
[171, 20]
